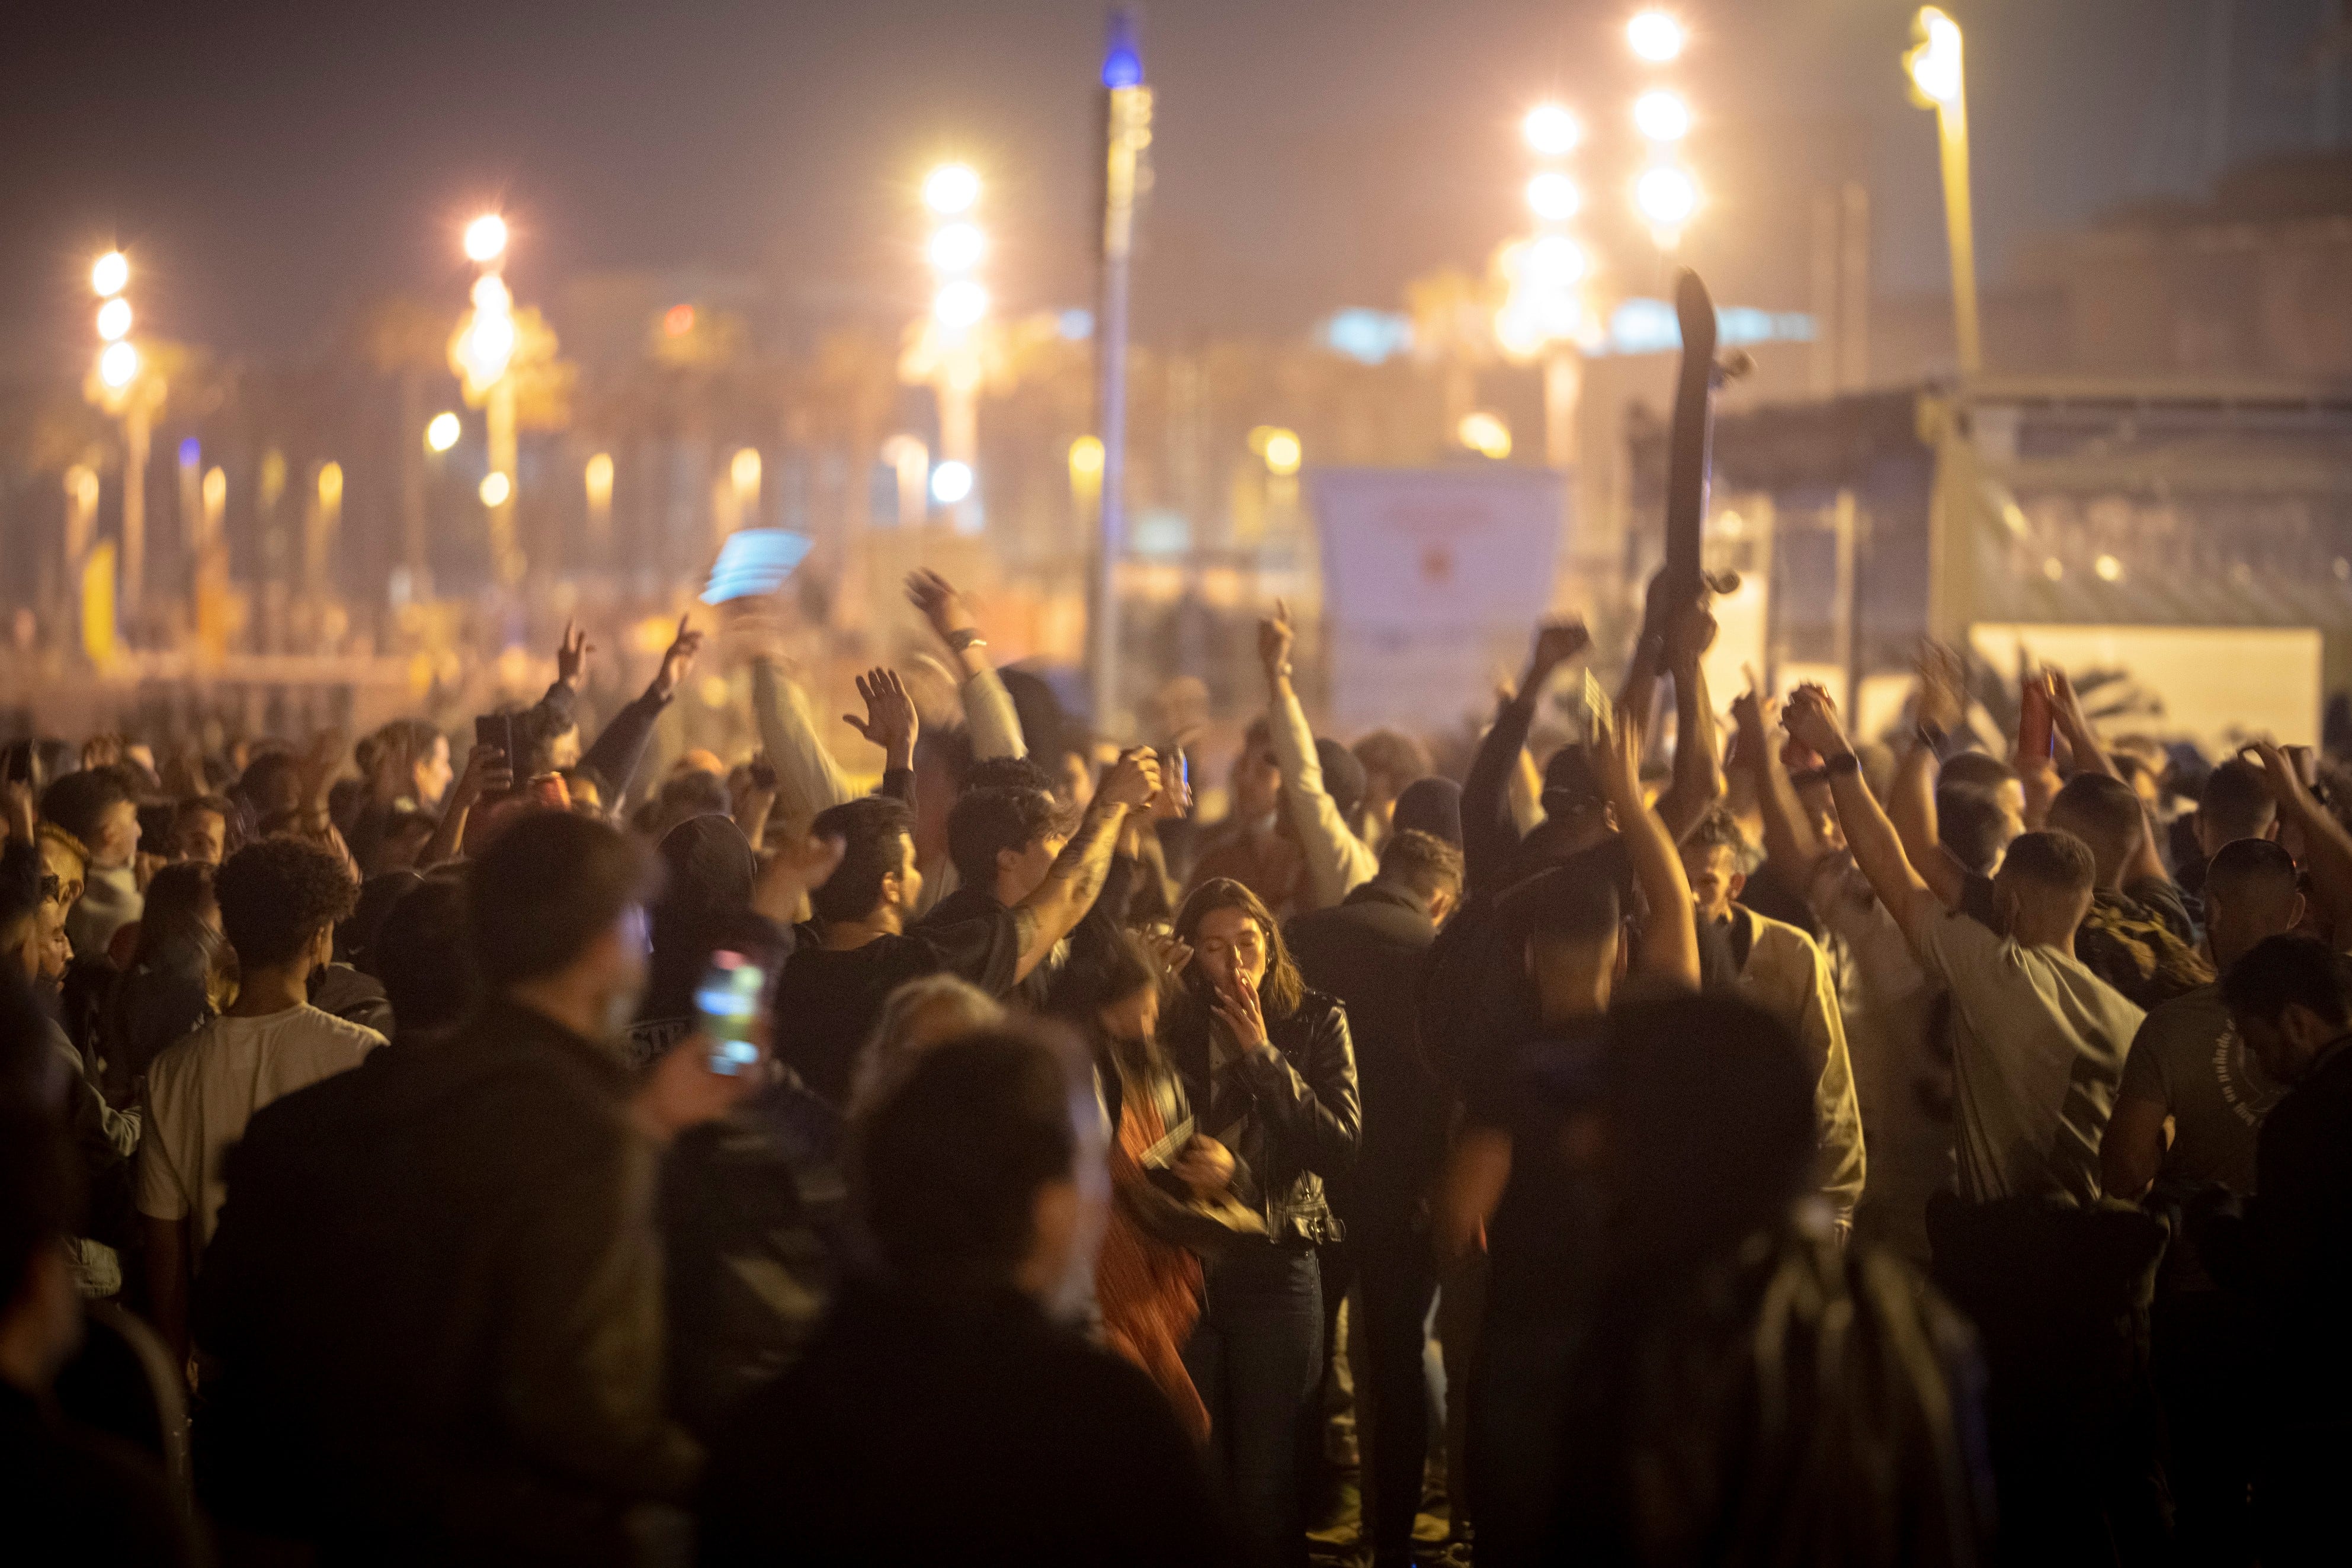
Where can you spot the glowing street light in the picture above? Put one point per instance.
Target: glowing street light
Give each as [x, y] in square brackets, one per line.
[957, 246]
[1939, 82]
[951, 482]
[118, 367]
[1553, 196]
[108, 274]
[1284, 453]
[959, 305]
[1656, 37]
[951, 189]
[486, 238]
[1554, 262]
[441, 432]
[1666, 196]
[114, 318]
[1485, 435]
[1662, 115]
[496, 489]
[1552, 130]
[1934, 61]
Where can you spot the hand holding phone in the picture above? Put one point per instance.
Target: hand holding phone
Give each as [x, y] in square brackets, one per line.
[727, 1005]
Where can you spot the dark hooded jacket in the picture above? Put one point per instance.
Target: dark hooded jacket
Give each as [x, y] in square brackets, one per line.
[434, 1301]
[708, 870]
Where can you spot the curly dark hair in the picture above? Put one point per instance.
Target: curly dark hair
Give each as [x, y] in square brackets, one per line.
[1717, 829]
[276, 894]
[985, 822]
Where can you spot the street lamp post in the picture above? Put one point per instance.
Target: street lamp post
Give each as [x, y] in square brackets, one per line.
[484, 353]
[125, 387]
[952, 337]
[1126, 133]
[1938, 82]
[1544, 315]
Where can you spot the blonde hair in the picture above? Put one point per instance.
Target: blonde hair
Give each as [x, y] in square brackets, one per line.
[892, 1049]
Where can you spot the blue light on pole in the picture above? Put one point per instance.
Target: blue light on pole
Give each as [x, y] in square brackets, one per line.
[1122, 58]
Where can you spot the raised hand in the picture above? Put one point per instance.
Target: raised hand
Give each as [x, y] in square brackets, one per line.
[942, 605]
[1752, 715]
[1942, 702]
[487, 772]
[1132, 780]
[1276, 638]
[800, 865]
[571, 654]
[677, 660]
[1811, 718]
[101, 751]
[1690, 633]
[890, 720]
[1616, 747]
[1171, 950]
[1238, 1006]
[1556, 642]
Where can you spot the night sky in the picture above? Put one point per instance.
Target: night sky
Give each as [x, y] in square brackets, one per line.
[271, 166]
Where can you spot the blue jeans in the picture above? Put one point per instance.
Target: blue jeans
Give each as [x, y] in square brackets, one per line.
[1257, 1357]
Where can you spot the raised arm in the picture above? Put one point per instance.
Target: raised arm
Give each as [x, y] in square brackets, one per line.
[1941, 710]
[987, 710]
[2030, 754]
[619, 749]
[2067, 711]
[808, 779]
[487, 772]
[1791, 848]
[1871, 838]
[1489, 834]
[1699, 773]
[1075, 877]
[890, 720]
[2326, 848]
[1670, 935]
[1337, 862]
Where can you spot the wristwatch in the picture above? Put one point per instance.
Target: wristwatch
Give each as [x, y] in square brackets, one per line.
[1843, 762]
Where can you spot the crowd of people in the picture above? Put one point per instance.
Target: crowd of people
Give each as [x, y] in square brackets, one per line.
[1775, 1144]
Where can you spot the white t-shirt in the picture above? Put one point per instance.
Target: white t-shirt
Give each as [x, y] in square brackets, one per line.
[202, 1091]
[2038, 1045]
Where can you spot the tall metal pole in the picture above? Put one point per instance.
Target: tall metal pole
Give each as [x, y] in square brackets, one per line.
[1127, 131]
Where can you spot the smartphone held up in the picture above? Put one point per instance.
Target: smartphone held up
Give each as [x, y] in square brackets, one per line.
[728, 1004]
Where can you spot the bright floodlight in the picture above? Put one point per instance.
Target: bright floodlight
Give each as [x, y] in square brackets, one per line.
[958, 247]
[486, 237]
[1555, 261]
[1553, 196]
[1934, 63]
[1656, 37]
[109, 273]
[441, 432]
[496, 489]
[491, 295]
[1283, 452]
[117, 365]
[1552, 130]
[959, 305]
[114, 318]
[951, 482]
[1668, 196]
[950, 188]
[1485, 435]
[600, 480]
[1662, 116]
[1087, 458]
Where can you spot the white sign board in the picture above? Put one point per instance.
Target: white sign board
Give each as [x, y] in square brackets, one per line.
[2217, 685]
[1433, 578]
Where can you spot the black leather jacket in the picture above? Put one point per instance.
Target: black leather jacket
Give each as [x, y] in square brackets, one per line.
[1303, 1121]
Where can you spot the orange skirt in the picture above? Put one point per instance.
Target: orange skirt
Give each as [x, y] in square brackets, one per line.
[1150, 1290]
